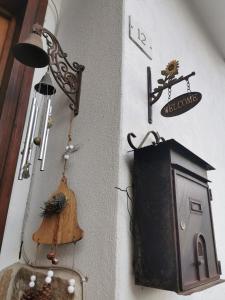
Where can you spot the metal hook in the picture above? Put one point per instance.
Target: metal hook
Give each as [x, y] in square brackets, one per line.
[156, 135]
[129, 140]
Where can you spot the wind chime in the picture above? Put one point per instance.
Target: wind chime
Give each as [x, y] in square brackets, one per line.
[68, 77]
[45, 89]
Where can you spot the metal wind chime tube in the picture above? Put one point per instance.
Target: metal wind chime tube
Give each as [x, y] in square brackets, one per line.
[45, 139]
[45, 88]
[26, 152]
[33, 134]
[43, 143]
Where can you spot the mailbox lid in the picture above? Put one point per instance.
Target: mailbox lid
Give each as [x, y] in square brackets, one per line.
[183, 151]
[180, 155]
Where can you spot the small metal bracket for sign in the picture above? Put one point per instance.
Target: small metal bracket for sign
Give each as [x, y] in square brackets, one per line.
[180, 104]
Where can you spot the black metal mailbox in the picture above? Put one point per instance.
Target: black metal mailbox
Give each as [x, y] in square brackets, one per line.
[174, 245]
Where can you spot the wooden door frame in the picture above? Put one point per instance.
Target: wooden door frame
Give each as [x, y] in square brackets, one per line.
[14, 110]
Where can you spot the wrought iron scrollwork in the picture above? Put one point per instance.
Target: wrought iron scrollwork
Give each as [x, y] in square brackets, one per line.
[158, 139]
[67, 75]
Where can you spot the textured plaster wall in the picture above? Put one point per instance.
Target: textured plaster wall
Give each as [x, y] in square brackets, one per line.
[176, 34]
[91, 33]
[12, 236]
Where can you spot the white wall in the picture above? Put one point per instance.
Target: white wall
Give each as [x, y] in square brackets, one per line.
[176, 34]
[212, 17]
[92, 33]
[12, 235]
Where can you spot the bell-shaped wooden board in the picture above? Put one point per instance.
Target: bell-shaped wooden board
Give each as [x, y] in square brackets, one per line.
[61, 228]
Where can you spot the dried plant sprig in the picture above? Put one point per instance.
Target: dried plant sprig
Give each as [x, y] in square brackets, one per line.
[54, 205]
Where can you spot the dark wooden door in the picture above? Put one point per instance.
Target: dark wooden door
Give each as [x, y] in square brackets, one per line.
[7, 31]
[16, 19]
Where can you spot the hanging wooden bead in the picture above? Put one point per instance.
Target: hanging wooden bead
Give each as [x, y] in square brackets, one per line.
[71, 289]
[50, 273]
[55, 261]
[51, 255]
[72, 281]
[48, 279]
[31, 284]
[37, 141]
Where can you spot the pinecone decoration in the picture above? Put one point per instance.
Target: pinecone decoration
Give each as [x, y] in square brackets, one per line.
[46, 292]
[30, 294]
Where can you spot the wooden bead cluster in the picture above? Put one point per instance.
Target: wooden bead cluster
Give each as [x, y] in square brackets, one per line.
[52, 256]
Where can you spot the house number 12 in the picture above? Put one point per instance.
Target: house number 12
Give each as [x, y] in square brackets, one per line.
[140, 38]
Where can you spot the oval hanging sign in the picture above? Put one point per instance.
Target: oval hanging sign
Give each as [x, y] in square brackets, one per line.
[181, 104]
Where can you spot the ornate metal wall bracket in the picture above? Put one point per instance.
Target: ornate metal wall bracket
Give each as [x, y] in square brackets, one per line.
[68, 76]
[167, 82]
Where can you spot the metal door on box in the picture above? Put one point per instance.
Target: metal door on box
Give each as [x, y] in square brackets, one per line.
[197, 254]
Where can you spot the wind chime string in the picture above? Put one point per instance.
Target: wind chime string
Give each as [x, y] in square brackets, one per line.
[69, 140]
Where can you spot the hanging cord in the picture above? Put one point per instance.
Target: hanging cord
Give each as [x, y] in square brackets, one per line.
[37, 254]
[57, 17]
[130, 206]
[69, 140]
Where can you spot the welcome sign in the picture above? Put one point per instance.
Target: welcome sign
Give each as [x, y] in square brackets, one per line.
[181, 104]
